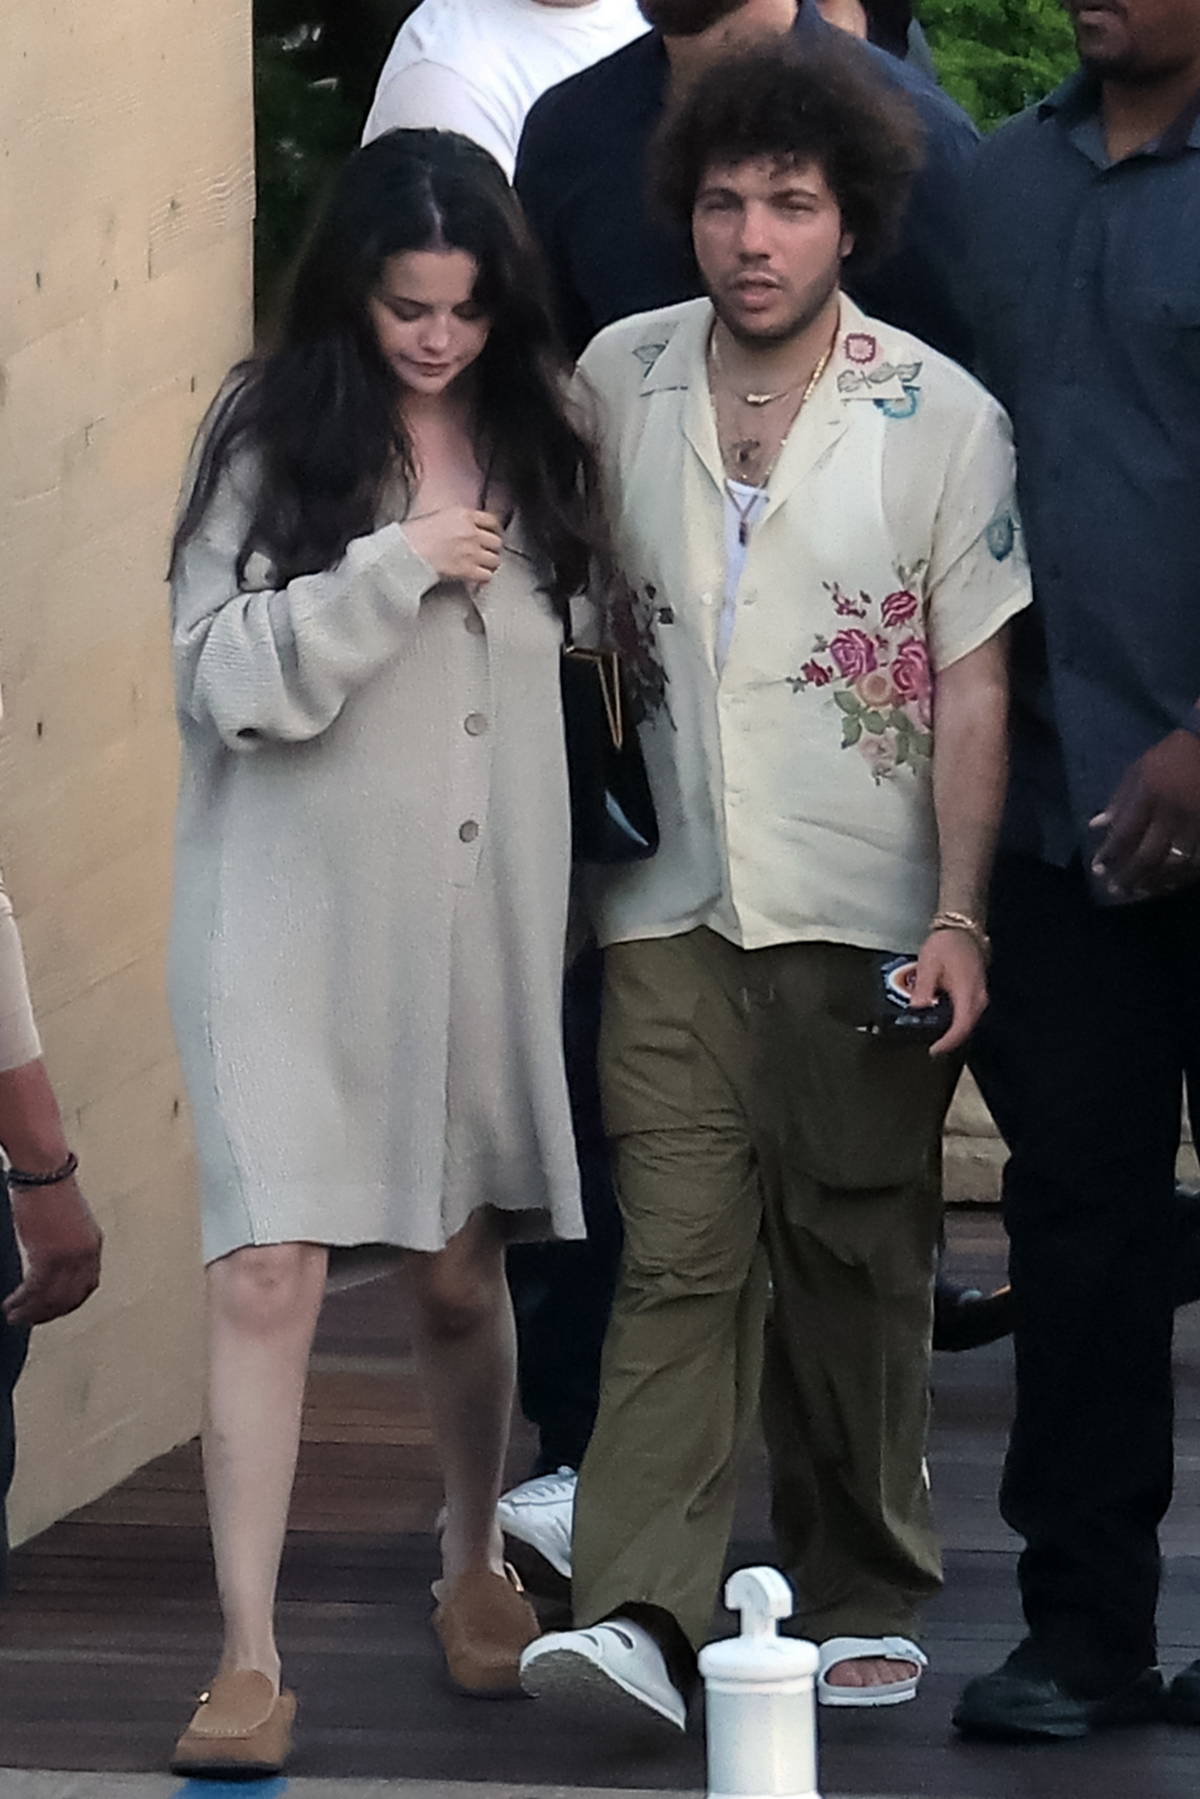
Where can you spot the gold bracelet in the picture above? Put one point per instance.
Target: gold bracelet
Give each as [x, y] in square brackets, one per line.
[971, 927]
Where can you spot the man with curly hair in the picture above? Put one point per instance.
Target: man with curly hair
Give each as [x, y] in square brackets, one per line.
[817, 557]
[582, 178]
[581, 174]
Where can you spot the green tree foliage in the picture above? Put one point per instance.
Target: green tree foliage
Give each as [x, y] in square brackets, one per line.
[315, 67]
[998, 56]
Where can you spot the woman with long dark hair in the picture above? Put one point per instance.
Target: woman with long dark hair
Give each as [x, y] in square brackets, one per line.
[389, 518]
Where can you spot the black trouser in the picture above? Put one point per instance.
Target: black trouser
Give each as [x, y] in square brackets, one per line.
[562, 1292]
[13, 1344]
[1092, 1032]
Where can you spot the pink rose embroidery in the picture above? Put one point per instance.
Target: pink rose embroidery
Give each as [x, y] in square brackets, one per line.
[911, 676]
[816, 674]
[854, 653]
[899, 607]
[861, 347]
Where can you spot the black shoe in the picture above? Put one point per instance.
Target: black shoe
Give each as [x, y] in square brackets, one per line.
[1181, 1701]
[965, 1318]
[1022, 1703]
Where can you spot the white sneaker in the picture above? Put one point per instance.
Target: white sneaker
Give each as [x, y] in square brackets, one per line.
[617, 1668]
[540, 1512]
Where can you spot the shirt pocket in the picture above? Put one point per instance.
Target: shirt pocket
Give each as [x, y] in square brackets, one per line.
[1170, 315]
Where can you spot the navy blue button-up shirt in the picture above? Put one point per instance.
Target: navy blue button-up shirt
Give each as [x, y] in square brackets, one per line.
[581, 174]
[1086, 289]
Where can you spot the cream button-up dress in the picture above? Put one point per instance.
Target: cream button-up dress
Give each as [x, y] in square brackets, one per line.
[371, 895]
[793, 775]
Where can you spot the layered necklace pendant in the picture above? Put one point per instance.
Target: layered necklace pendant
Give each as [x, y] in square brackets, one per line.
[745, 449]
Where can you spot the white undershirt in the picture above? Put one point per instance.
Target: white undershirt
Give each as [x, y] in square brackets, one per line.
[750, 503]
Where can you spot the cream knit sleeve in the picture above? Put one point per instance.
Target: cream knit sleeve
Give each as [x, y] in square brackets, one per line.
[259, 662]
[19, 1041]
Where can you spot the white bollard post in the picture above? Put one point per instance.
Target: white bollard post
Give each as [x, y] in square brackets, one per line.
[760, 1699]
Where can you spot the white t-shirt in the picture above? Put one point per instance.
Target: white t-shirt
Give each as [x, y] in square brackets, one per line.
[743, 507]
[477, 66]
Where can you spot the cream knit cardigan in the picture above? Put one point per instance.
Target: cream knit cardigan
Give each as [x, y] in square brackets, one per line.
[371, 894]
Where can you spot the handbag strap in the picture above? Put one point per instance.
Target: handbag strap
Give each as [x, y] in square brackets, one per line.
[608, 673]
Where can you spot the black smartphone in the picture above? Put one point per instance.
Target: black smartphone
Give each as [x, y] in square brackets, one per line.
[892, 1013]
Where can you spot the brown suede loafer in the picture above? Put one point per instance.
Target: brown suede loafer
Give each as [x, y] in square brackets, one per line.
[242, 1726]
[484, 1622]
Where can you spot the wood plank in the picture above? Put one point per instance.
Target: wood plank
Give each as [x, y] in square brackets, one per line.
[111, 1621]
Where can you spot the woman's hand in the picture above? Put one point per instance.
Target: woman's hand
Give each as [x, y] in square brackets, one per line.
[461, 544]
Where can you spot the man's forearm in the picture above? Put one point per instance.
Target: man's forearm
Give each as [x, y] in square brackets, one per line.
[970, 767]
[31, 1126]
[31, 1131]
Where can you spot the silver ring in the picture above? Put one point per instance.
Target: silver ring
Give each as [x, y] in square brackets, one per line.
[1177, 853]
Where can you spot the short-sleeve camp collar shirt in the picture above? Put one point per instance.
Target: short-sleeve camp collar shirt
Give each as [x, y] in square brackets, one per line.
[794, 784]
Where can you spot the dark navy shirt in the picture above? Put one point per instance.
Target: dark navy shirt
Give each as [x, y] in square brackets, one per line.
[1086, 286]
[581, 174]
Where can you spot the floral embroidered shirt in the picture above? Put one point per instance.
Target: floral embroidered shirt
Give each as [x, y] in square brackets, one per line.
[793, 778]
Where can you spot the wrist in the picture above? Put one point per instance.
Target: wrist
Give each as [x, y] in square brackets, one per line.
[35, 1152]
[948, 919]
[20, 1177]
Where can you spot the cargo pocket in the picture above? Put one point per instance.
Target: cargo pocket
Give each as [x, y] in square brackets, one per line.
[858, 1111]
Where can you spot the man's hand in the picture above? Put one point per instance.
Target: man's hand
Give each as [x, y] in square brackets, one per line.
[1152, 824]
[951, 962]
[61, 1242]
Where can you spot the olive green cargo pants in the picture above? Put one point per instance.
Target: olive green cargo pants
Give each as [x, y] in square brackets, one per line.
[755, 1127]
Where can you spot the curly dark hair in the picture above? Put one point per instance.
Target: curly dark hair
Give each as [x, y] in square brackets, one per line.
[823, 105]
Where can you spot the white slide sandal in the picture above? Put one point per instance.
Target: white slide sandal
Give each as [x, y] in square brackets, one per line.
[879, 1649]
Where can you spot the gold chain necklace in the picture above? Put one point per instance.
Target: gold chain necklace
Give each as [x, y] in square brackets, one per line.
[744, 512]
[758, 400]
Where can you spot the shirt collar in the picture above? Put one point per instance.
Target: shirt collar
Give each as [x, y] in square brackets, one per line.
[1073, 99]
[675, 356]
[1076, 104]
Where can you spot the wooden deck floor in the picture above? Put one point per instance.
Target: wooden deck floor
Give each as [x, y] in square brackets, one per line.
[110, 1625]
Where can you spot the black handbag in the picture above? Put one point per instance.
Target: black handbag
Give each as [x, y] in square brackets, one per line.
[612, 811]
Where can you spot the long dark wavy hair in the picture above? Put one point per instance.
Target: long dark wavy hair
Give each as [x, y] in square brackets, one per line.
[321, 410]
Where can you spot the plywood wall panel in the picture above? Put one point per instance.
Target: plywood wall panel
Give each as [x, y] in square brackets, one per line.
[121, 107]
[126, 201]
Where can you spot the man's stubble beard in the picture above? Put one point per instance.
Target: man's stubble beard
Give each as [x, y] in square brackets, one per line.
[686, 18]
[1127, 71]
[801, 321]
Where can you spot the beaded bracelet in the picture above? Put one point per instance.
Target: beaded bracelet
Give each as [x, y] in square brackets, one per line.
[17, 1178]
